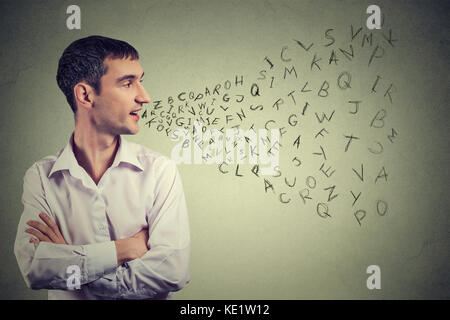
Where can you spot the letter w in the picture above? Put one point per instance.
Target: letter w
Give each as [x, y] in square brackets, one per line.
[250, 309]
[324, 116]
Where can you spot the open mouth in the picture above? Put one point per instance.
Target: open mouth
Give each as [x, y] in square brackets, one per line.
[135, 115]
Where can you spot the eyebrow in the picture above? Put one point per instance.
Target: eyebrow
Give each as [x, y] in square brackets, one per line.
[128, 76]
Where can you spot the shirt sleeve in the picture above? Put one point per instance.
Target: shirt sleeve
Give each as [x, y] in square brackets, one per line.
[165, 267]
[48, 265]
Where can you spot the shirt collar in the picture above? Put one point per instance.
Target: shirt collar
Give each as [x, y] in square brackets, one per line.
[66, 158]
[126, 154]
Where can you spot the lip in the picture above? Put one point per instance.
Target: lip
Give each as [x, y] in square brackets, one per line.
[136, 116]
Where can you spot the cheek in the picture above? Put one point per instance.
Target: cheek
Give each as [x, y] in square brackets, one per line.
[113, 106]
[121, 103]
[116, 107]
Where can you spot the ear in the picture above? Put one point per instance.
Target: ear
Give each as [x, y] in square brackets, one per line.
[83, 94]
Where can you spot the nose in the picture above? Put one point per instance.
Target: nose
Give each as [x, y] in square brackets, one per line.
[143, 96]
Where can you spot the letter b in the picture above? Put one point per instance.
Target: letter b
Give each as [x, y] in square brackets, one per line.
[378, 120]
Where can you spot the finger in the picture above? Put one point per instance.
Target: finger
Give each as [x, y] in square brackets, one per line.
[38, 235]
[34, 240]
[43, 229]
[50, 223]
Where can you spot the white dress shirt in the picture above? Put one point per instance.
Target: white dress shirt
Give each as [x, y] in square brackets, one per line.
[141, 189]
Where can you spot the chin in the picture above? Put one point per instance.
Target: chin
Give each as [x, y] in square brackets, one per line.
[133, 131]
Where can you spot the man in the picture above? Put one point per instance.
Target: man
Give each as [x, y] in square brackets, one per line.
[103, 218]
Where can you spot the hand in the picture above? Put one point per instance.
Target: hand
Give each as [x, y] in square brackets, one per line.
[49, 232]
[133, 247]
[141, 243]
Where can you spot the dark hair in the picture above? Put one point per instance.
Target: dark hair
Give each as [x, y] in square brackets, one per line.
[83, 61]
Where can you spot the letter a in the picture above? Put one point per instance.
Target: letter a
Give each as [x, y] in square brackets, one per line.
[73, 21]
[374, 20]
[73, 281]
[374, 281]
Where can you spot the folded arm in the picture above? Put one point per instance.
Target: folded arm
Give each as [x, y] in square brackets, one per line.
[123, 268]
[165, 267]
[44, 263]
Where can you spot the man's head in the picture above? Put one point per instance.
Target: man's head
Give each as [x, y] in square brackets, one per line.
[102, 76]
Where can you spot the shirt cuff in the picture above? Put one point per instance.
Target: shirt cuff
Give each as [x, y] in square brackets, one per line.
[101, 258]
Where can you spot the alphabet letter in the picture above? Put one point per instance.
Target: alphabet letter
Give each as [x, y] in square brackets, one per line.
[73, 21]
[374, 281]
[374, 20]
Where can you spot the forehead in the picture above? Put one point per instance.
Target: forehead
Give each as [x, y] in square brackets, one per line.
[121, 67]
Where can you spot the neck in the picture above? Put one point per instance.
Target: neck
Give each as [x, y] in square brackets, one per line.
[94, 151]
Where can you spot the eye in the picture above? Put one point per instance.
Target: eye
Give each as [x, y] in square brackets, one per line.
[142, 80]
[127, 84]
